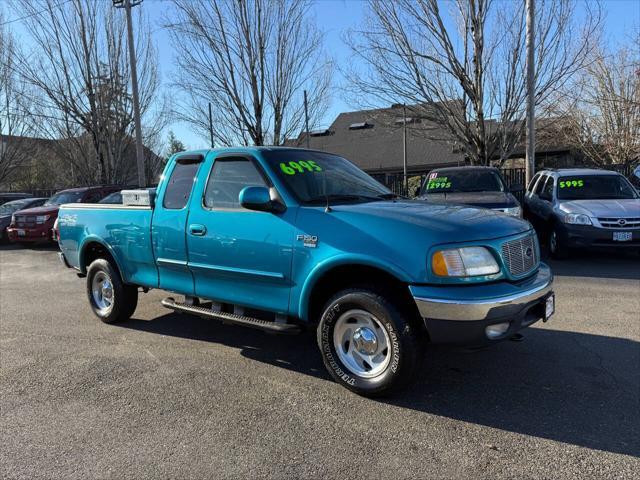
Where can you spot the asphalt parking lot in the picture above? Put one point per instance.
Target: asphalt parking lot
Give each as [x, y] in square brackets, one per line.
[168, 395]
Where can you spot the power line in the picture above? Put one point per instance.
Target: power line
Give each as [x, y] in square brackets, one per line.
[19, 19]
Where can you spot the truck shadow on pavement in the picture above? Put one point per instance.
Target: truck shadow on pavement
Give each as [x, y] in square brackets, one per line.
[569, 387]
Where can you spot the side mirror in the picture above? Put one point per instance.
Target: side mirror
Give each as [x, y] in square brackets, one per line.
[516, 187]
[257, 198]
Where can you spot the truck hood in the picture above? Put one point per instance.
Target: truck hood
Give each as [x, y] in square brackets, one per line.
[476, 199]
[400, 233]
[44, 210]
[603, 208]
[443, 222]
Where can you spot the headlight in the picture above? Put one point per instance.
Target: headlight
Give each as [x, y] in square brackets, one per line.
[42, 218]
[514, 211]
[577, 219]
[464, 262]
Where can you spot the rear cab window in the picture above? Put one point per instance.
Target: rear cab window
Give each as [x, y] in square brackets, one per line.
[180, 184]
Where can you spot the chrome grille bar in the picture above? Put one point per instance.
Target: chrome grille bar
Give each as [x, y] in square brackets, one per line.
[520, 255]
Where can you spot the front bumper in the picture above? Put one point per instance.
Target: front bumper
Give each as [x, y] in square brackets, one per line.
[460, 314]
[588, 236]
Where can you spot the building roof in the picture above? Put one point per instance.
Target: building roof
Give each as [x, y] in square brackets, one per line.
[373, 140]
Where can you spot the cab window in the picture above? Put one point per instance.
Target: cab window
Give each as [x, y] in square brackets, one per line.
[227, 179]
[180, 184]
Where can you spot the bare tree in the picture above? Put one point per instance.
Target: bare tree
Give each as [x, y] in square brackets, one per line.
[602, 109]
[251, 59]
[16, 122]
[464, 67]
[80, 67]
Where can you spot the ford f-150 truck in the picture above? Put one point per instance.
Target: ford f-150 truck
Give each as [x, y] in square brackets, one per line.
[281, 239]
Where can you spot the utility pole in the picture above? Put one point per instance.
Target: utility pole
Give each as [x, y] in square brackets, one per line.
[404, 148]
[306, 117]
[211, 126]
[531, 116]
[127, 5]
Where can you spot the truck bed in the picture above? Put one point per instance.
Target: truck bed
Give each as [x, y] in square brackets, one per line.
[126, 229]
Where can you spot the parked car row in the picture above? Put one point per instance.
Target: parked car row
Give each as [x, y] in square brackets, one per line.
[31, 220]
[569, 208]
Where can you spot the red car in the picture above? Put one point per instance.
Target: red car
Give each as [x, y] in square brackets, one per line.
[35, 224]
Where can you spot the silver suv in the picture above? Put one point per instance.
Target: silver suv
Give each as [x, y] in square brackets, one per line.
[583, 207]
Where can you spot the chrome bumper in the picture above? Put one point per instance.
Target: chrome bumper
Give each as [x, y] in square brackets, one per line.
[474, 303]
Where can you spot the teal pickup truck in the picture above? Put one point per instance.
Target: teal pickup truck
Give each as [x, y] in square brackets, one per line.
[284, 239]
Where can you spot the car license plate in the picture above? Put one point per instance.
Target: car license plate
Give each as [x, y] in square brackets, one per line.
[622, 236]
[21, 233]
[550, 307]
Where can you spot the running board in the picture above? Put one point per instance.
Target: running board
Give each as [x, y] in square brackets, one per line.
[231, 318]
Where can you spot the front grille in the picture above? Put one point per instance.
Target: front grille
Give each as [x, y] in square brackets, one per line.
[521, 256]
[616, 222]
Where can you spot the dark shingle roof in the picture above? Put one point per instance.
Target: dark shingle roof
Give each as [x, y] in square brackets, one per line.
[379, 146]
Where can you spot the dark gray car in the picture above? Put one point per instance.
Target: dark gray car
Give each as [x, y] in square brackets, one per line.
[583, 207]
[7, 209]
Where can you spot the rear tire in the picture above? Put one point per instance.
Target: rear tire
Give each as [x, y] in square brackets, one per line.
[367, 344]
[110, 298]
[558, 248]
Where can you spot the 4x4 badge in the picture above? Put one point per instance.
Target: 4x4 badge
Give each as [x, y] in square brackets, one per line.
[310, 241]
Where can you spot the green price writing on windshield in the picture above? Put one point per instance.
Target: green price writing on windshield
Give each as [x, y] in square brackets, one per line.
[571, 184]
[300, 167]
[439, 182]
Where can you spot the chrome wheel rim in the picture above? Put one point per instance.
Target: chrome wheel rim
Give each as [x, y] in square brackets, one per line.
[362, 343]
[102, 292]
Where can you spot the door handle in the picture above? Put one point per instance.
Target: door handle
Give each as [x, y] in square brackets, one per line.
[197, 229]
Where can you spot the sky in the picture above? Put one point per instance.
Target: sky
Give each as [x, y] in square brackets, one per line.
[334, 18]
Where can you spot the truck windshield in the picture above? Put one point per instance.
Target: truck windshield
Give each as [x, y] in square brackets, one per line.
[591, 187]
[458, 181]
[64, 197]
[315, 177]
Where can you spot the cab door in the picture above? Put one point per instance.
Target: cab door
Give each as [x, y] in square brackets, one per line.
[236, 255]
[170, 216]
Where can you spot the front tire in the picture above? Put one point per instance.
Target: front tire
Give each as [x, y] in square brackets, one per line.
[367, 344]
[558, 248]
[110, 298]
